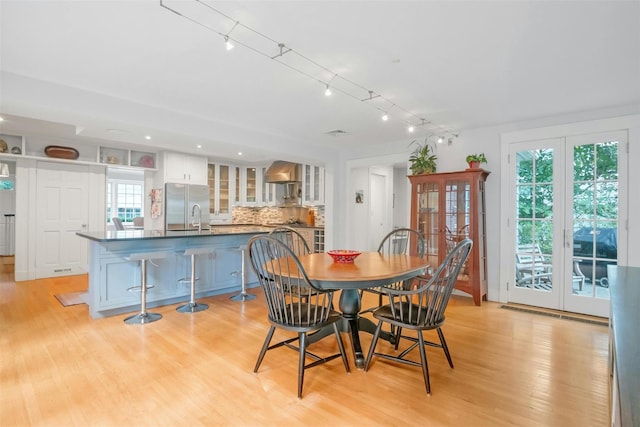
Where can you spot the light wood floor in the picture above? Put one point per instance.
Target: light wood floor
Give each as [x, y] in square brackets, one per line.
[59, 367]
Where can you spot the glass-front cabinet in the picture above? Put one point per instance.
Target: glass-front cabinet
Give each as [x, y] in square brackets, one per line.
[219, 180]
[447, 208]
[267, 189]
[252, 188]
[312, 184]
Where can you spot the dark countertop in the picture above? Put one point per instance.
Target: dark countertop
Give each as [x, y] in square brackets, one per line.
[625, 318]
[124, 235]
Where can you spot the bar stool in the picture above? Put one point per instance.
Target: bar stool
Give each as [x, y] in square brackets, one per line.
[144, 316]
[193, 306]
[243, 295]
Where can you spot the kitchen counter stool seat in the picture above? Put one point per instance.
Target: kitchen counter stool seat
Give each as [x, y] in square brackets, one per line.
[144, 316]
[193, 306]
[243, 295]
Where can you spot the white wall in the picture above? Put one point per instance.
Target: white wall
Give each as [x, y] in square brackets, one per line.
[401, 198]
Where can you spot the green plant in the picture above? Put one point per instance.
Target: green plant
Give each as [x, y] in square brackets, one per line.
[476, 158]
[422, 159]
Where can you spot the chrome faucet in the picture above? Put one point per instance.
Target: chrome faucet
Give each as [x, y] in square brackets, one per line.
[199, 217]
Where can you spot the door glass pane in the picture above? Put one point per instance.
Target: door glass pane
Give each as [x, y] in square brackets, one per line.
[534, 224]
[457, 211]
[211, 181]
[428, 210]
[251, 185]
[237, 185]
[595, 217]
[223, 188]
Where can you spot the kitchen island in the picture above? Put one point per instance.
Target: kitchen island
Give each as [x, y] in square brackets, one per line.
[111, 274]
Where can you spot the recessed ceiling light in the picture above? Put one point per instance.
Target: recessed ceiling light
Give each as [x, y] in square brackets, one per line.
[239, 153]
[147, 137]
[1, 119]
[198, 146]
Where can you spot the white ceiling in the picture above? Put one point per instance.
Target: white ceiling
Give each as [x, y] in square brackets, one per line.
[136, 68]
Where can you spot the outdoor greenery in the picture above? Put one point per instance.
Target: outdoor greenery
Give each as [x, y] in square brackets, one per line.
[595, 192]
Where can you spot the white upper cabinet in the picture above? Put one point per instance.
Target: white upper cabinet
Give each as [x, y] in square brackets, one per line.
[251, 187]
[184, 168]
[267, 191]
[312, 185]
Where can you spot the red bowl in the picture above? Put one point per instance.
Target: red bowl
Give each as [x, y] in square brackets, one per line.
[343, 256]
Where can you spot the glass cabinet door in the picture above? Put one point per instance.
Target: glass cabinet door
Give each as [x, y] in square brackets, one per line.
[429, 218]
[251, 185]
[457, 213]
[223, 190]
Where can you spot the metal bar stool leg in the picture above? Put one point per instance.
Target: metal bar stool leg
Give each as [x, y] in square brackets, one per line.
[192, 306]
[144, 316]
[243, 295]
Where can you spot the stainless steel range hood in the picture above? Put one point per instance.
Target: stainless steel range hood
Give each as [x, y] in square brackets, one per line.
[282, 172]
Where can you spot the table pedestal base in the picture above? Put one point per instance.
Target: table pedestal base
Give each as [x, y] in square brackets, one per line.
[353, 323]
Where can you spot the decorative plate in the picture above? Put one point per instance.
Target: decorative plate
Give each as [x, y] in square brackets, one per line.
[343, 256]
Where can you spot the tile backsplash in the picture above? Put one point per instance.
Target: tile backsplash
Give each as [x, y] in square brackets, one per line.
[276, 215]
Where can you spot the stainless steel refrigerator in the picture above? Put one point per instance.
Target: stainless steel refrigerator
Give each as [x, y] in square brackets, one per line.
[180, 213]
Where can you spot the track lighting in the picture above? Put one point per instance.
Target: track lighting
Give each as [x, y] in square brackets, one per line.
[227, 43]
[251, 38]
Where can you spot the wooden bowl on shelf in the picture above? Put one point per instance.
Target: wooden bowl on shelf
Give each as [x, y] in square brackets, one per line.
[59, 152]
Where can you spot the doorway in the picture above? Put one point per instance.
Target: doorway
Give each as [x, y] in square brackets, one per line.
[566, 213]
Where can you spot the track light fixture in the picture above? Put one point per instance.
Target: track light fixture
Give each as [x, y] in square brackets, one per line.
[346, 87]
[227, 43]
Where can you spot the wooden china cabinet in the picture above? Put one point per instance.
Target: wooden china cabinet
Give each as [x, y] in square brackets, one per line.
[446, 208]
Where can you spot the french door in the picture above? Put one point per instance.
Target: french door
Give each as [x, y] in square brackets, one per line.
[567, 216]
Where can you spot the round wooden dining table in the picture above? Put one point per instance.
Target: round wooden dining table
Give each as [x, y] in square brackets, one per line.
[369, 270]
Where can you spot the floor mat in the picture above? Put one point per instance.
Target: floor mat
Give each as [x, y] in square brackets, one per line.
[559, 315]
[72, 298]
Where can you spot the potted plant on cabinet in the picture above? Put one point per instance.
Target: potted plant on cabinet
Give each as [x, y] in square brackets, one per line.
[422, 159]
[474, 160]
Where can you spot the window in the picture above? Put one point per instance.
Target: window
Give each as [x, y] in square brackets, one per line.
[124, 200]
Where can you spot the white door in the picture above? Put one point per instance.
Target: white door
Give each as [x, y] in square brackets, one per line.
[379, 210]
[538, 197]
[596, 167]
[567, 199]
[62, 210]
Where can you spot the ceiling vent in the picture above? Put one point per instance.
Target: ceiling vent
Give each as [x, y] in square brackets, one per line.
[336, 132]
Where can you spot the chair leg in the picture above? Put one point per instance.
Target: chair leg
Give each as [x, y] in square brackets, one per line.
[302, 337]
[372, 349]
[397, 338]
[425, 366]
[341, 347]
[444, 347]
[265, 346]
